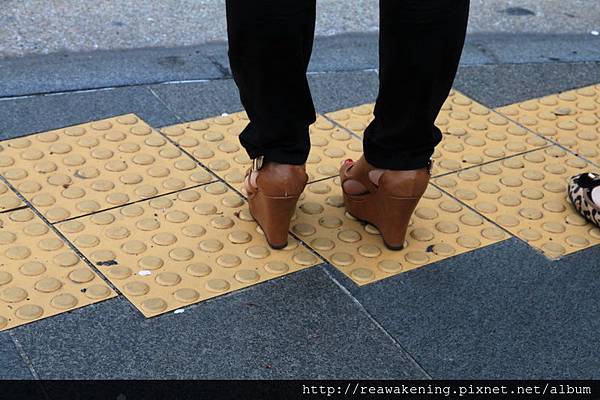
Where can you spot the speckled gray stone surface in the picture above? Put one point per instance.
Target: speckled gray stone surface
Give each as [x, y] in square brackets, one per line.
[26, 115]
[340, 53]
[299, 326]
[498, 85]
[38, 26]
[12, 365]
[198, 100]
[500, 312]
[503, 311]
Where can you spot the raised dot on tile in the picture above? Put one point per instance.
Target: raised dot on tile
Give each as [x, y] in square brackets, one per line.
[97, 292]
[369, 251]
[136, 288]
[81, 275]
[349, 236]
[181, 254]
[342, 259]
[304, 258]
[246, 276]
[217, 285]
[228, 260]
[5, 277]
[198, 269]
[443, 249]
[362, 274]
[553, 249]
[186, 295]
[31, 268]
[577, 241]
[154, 305]
[29, 312]
[471, 219]
[64, 301]
[416, 257]
[167, 278]
[322, 244]
[468, 241]
[277, 267]
[389, 266]
[119, 272]
[66, 259]
[210, 245]
[13, 294]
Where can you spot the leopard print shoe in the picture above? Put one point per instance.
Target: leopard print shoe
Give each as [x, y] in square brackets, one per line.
[580, 190]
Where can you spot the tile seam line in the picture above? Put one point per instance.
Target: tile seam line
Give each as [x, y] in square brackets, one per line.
[427, 265]
[511, 235]
[218, 65]
[553, 142]
[376, 323]
[24, 357]
[71, 125]
[244, 289]
[13, 209]
[128, 203]
[239, 193]
[158, 83]
[102, 276]
[63, 238]
[320, 259]
[549, 144]
[579, 86]
[320, 262]
[28, 363]
[166, 105]
[228, 77]
[490, 162]
[307, 245]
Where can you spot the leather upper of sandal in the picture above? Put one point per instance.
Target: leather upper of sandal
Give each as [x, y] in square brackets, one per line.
[408, 184]
[279, 180]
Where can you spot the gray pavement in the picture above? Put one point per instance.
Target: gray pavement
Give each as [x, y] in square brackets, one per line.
[503, 311]
[43, 27]
[58, 73]
[300, 326]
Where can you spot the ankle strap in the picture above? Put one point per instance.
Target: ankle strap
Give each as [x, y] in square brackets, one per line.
[257, 163]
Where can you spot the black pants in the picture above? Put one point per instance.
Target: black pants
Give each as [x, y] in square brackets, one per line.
[270, 43]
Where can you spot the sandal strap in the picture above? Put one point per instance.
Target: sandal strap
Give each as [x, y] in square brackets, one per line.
[588, 181]
[359, 171]
[257, 163]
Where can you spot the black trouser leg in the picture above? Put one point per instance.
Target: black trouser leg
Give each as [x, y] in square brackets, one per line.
[270, 43]
[420, 43]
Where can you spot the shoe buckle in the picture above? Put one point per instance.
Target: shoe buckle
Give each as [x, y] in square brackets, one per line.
[430, 166]
[257, 163]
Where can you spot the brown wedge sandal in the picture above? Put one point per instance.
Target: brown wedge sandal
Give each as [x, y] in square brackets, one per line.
[389, 204]
[273, 200]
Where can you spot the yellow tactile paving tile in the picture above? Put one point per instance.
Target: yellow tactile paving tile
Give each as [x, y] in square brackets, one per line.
[8, 199]
[440, 228]
[182, 248]
[527, 196]
[40, 275]
[472, 133]
[214, 142]
[86, 168]
[571, 119]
